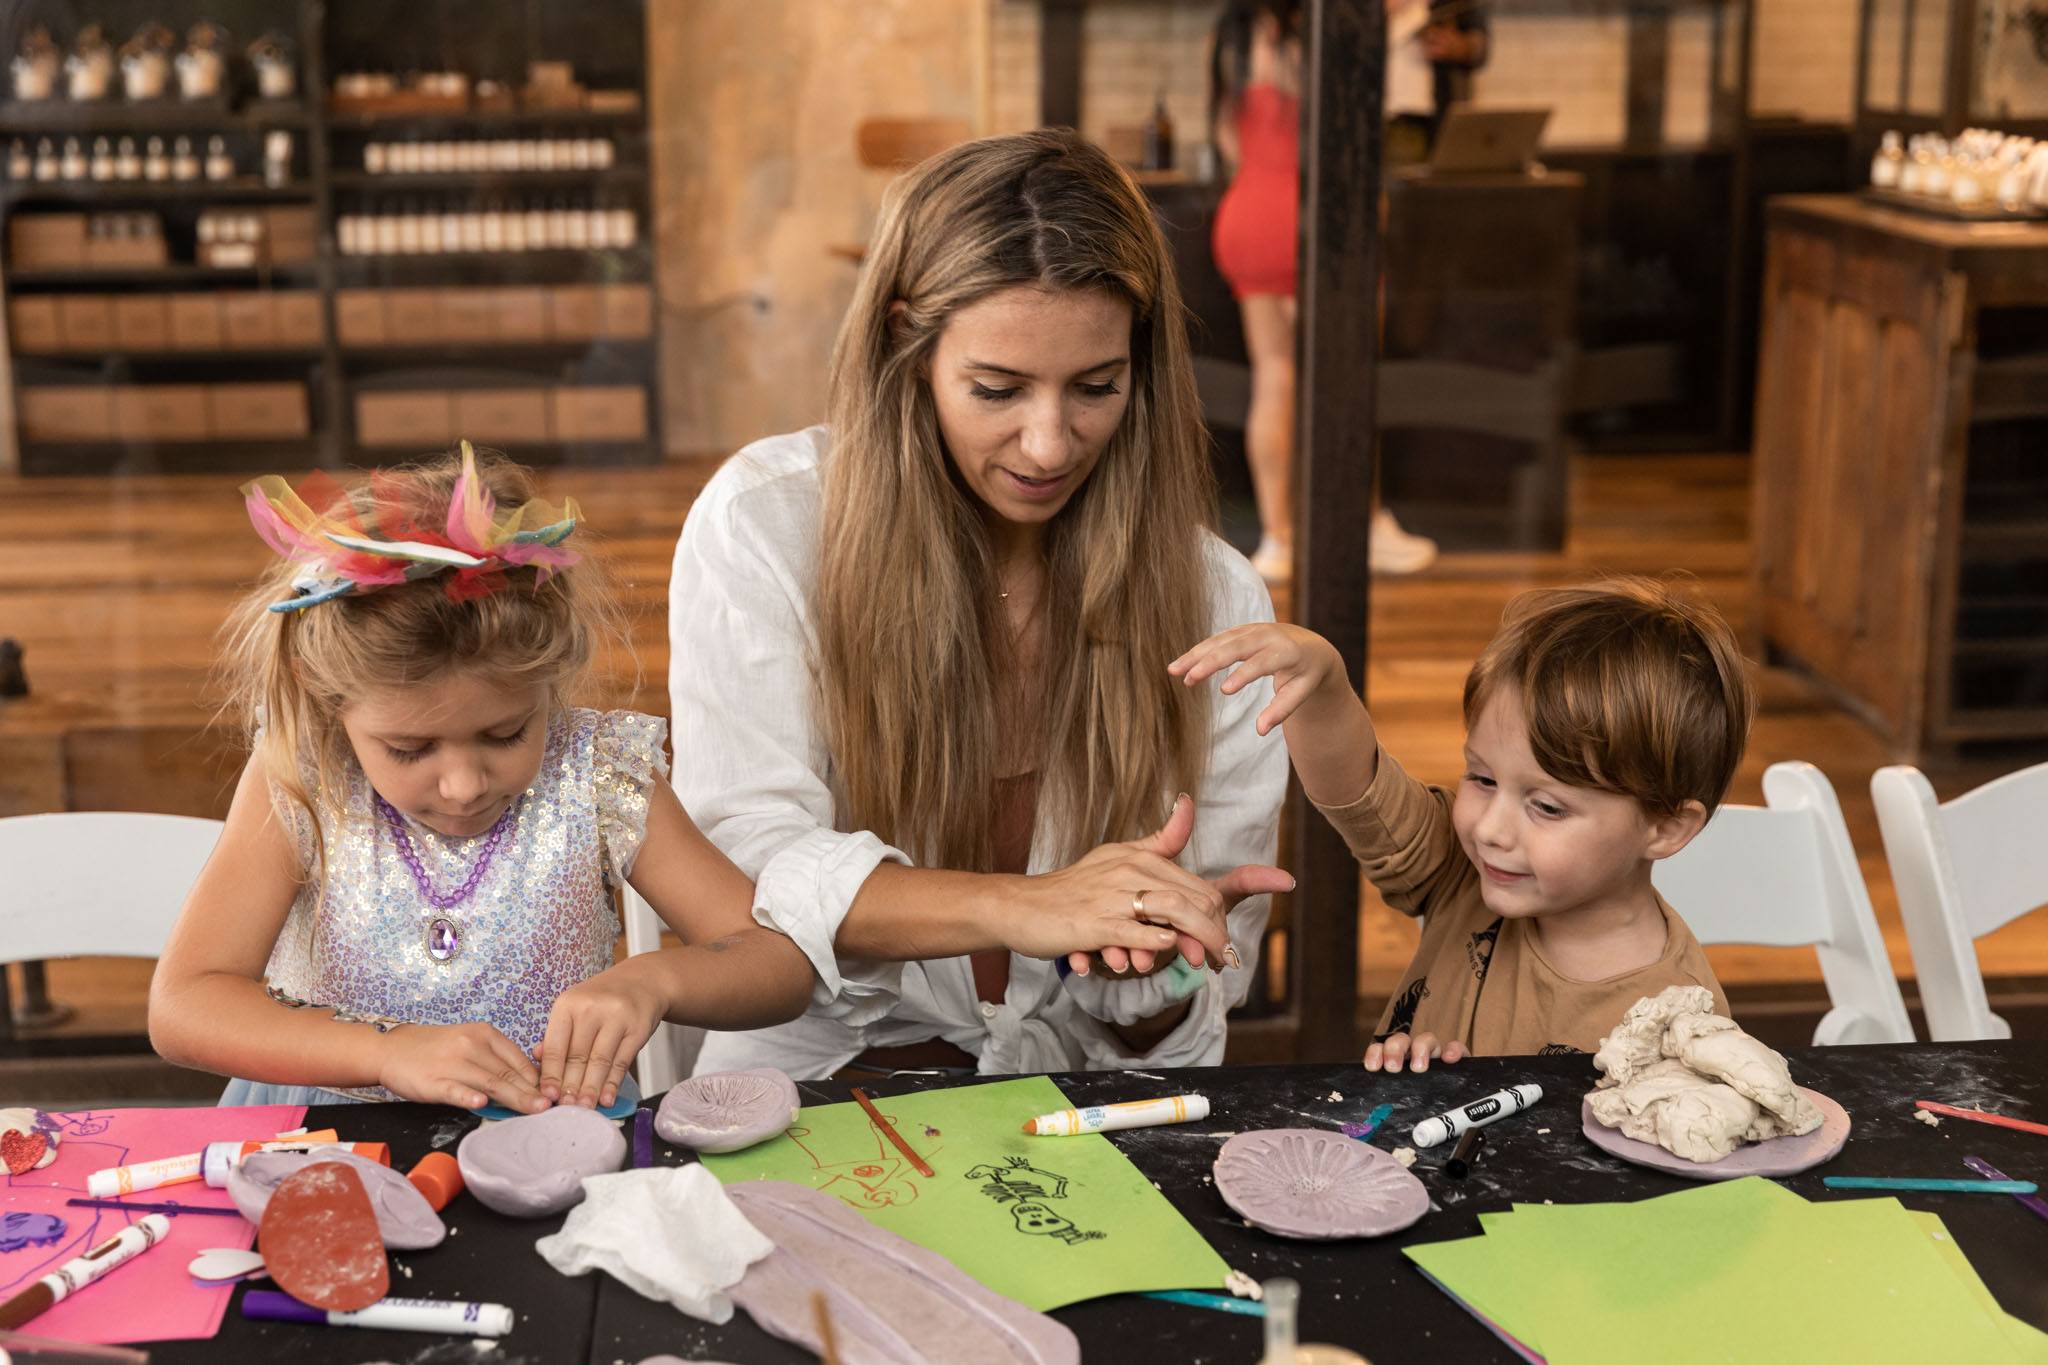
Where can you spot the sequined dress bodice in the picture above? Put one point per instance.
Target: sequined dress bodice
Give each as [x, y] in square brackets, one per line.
[540, 920]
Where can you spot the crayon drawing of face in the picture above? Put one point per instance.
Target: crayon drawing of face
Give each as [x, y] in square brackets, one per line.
[1038, 1220]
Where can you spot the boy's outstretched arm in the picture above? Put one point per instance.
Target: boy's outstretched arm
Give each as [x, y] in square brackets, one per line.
[1329, 733]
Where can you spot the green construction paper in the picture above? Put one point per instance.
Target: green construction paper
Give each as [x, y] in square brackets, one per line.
[1673, 1277]
[2030, 1341]
[1046, 1221]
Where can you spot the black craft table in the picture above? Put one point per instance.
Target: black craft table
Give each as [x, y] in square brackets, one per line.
[1363, 1294]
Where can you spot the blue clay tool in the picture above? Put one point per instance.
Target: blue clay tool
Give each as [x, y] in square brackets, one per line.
[617, 1109]
[1868, 1182]
[1363, 1131]
[1221, 1303]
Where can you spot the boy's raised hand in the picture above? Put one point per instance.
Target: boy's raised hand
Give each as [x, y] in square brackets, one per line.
[1416, 1051]
[466, 1065]
[595, 1031]
[1300, 662]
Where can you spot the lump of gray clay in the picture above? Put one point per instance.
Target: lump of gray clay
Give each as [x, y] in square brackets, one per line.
[405, 1220]
[728, 1110]
[533, 1165]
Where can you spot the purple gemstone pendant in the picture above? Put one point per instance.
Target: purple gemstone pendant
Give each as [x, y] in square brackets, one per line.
[444, 939]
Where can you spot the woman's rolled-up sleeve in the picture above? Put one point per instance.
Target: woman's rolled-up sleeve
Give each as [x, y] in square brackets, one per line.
[1237, 821]
[750, 764]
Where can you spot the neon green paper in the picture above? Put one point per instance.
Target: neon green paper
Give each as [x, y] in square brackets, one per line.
[1675, 1276]
[2030, 1341]
[1046, 1221]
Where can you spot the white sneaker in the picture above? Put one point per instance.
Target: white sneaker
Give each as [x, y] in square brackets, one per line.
[1274, 561]
[1395, 551]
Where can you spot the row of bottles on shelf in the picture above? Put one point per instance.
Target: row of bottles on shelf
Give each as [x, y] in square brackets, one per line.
[498, 154]
[411, 227]
[1978, 169]
[111, 159]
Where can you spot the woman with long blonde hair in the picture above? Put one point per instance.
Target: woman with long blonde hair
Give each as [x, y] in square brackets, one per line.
[919, 654]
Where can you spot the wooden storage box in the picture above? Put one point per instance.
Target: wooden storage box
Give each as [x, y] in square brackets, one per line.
[359, 317]
[162, 412]
[46, 241]
[298, 319]
[412, 317]
[522, 314]
[143, 251]
[258, 411]
[86, 322]
[423, 419]
[32, 326]
[69, 412]
[195, 322]
[142, 322]
[502, 415]
[573, 312]
[468, 316]
[248, 319]
[627, 310]
[292, 235]
[600, 413]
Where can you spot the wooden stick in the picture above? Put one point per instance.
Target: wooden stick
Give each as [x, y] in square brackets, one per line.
[1979, 1116]
[889, 1131]
[828, 1344]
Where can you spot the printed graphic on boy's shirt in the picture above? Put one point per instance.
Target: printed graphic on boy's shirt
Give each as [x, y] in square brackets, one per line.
[1560, 1050]
[1402, 1020]
[1479, 952]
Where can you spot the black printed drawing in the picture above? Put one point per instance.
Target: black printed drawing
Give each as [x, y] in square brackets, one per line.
[1402, 1020]
[1479, 952]
[1022, 1190]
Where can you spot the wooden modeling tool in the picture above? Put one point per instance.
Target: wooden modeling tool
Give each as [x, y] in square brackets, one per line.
[2035, 1204]
[170, 1206]
[1875, 1182]
[1949, 1111]
[320, 1241]
[828, 1343]
[889, 1131]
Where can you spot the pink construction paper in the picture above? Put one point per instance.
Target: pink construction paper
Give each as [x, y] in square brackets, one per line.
[151, 1298]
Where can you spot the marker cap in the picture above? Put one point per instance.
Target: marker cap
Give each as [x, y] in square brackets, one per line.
[438, 1177]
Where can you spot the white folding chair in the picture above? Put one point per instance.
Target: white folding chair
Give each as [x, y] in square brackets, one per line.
[1784, 874]
[670, 1053]
[96, 883]
[1962, 869]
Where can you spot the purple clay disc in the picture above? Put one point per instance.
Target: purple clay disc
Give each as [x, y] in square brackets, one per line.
[405, 1220]
[1317, 1185]
[728, 1110]
[532, 1166]
[1772, 1157]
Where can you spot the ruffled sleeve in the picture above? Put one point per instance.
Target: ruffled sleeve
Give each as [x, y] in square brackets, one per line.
[626, 757]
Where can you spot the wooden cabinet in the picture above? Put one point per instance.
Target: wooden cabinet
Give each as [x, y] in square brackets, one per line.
[1901, 501]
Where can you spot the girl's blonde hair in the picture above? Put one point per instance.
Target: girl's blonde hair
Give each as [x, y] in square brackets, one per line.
[912, 637]
[289, 675]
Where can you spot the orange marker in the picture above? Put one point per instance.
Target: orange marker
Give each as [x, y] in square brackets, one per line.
[1105, 1118]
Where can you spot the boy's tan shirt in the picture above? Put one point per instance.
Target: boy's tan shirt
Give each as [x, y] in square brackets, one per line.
[1477, 977]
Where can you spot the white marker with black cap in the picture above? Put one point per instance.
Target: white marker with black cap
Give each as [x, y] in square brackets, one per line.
[1477, 1114]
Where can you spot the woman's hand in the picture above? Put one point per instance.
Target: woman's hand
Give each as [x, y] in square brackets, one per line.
[1416, 1051]
[595, 1030]
[466, 1065]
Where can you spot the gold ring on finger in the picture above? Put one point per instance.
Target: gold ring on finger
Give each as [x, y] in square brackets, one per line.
[1138, 903]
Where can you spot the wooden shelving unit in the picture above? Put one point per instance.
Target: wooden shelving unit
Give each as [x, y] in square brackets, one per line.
[605, 44]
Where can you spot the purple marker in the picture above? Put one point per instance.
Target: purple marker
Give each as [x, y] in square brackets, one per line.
[643, 1138]
[398, 1315]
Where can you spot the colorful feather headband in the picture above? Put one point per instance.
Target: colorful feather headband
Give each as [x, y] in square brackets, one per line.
[318, 527]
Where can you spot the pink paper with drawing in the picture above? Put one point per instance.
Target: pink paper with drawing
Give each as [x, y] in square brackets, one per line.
[151, 1298]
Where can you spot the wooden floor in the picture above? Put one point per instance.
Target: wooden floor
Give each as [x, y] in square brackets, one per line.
[116, 588]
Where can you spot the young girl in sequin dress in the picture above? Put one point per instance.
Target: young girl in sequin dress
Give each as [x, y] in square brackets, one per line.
[412, 898]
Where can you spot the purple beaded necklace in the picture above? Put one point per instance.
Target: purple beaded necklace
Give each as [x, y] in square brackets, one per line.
[444, 934]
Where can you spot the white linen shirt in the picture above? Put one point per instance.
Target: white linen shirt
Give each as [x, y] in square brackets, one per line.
[752, 769]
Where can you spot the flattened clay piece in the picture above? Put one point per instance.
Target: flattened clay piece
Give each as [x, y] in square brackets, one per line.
[319, 1239]
[891, 1301]
[404, 1218]
[219, 1265]
[1776, 1156]
[28, 1140]
[1317, 1185]
[532, 1166]
[18, 1230]
[728, 1110]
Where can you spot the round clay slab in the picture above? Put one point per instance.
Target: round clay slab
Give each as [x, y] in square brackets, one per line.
[1773, 1157]
[1316, 1184]
[728, 1110]
[532, 1166]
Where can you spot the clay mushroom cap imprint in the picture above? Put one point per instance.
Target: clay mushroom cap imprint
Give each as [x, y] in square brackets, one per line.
[1318, 1185]
[728, 1110]
[405, 1220]
[532, 1166]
